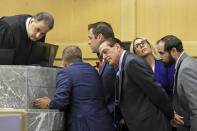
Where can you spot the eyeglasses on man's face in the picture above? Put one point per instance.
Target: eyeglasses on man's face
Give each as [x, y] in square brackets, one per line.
[142, 43]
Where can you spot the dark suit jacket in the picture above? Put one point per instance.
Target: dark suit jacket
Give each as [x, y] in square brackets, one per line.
[13, 35]
[79, 90]
[143, 102]
[185, 92]
[108, 76]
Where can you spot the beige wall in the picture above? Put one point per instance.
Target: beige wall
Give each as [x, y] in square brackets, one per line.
[157, 18]
[129, 18]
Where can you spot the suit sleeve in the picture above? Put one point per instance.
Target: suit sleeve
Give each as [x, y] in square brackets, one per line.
[63, 92]
[144, 78]
[189, 82]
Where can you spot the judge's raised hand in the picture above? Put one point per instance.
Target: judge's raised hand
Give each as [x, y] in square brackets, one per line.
[178, 120]
[42, 103]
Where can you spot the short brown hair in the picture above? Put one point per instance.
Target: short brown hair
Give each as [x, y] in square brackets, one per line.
[171, 41]
[103, 28]
[71, 54]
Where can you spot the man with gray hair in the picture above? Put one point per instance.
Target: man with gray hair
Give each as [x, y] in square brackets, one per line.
[79, 92]
[20, 31]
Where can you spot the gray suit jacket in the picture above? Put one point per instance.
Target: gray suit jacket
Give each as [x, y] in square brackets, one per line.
[185, 92]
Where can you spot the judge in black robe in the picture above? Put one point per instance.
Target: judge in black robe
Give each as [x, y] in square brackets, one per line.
[14, 35]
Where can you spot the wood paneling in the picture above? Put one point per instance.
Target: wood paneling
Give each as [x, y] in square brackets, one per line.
[157, 18]
[152, 19]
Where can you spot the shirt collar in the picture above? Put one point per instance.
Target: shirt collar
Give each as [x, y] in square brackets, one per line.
[178, 60]
[120, 63]
[27, 23]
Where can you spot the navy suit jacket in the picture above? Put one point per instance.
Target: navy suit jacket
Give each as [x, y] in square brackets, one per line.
[108, 76]
[143, 102]
[79, 90]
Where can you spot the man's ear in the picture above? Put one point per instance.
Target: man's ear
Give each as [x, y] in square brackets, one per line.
[173, 51]
[31, 20]
[100, 37]
[117, 45]
[65, 63]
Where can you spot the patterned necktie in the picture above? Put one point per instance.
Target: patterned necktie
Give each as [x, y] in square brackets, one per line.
[100, 63]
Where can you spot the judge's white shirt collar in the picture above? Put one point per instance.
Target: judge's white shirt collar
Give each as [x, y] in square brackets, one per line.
[27, 23]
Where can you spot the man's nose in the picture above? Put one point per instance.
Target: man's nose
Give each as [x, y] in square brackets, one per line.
[89, 43]
[104, 56]
[38, 35]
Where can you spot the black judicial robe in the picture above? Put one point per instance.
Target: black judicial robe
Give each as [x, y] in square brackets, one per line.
[13, 35]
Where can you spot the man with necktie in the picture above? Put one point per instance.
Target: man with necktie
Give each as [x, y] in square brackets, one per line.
[96, 33]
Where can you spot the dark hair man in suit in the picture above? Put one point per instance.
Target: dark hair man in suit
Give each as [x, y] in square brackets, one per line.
[171, 52]
[144, 104]
[96, 33]
[20, 31]
[79, 91]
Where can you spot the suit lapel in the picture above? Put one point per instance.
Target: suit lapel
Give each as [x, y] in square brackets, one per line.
[122, 73]
[177, 70]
